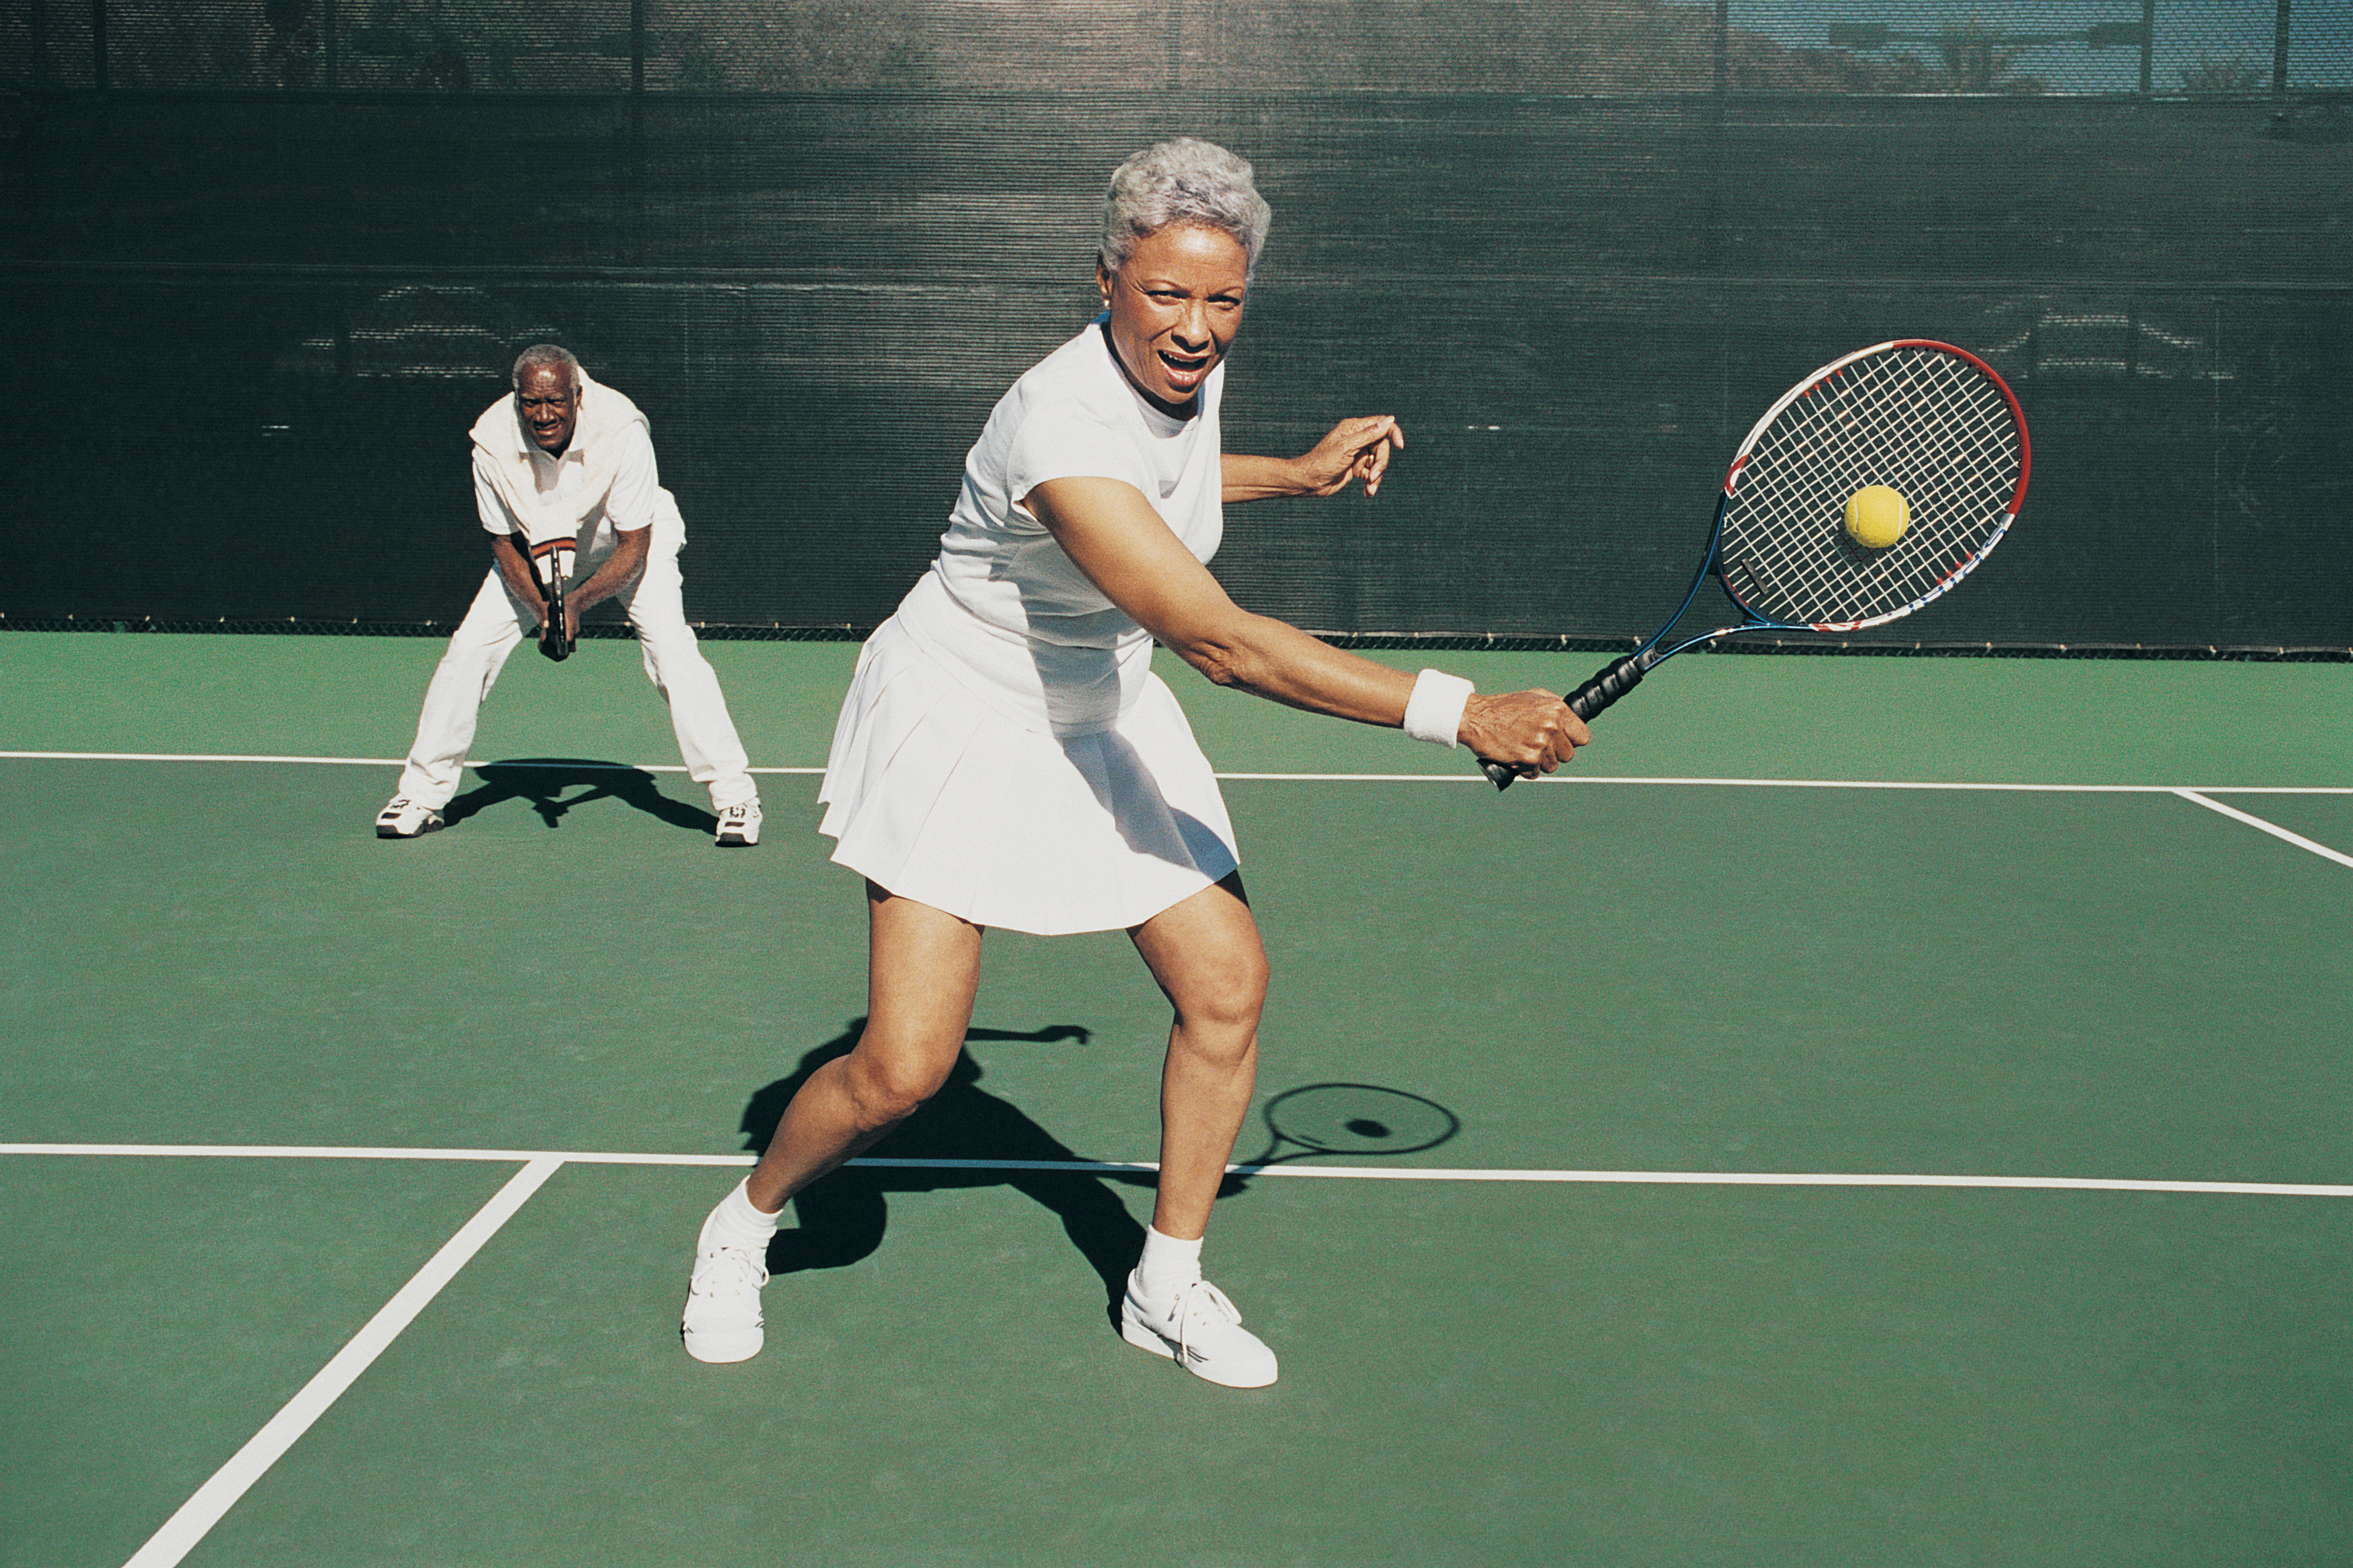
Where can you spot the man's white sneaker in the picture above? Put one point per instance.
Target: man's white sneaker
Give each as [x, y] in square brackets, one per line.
[739, 826]
[723, 1300]
[1198, 1329]
[405, 818]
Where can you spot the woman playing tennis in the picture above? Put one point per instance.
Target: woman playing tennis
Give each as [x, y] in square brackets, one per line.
[1005, 756]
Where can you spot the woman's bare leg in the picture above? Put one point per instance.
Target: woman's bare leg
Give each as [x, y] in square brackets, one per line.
[923, 972]
[1207, 956]
[922, 969]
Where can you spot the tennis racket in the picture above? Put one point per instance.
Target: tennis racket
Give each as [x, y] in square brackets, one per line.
[1926, 420]
[1351, 1119]
[556, 555]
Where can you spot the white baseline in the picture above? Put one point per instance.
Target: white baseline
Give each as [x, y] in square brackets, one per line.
[1144, 1167]
[2200, 794]
[1587, 780]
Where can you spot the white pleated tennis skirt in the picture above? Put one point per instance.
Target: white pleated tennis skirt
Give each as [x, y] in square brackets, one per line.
[933, 794]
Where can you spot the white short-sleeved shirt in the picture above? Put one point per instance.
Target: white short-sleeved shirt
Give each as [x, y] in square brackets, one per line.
[1048, 646]
[636, 499]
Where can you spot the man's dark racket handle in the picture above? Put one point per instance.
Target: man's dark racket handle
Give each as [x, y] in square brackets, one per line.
[1606, 686]
[555, 644]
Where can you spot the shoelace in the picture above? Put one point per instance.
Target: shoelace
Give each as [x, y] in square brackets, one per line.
[726, 1271]
[1190, 1305]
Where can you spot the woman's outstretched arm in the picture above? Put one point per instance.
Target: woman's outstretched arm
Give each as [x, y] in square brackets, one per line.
[1121, 544]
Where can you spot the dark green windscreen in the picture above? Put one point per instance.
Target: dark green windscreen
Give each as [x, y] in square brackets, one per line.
[263, 262]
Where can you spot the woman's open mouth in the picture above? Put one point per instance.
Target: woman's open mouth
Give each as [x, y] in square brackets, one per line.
[1185, 369]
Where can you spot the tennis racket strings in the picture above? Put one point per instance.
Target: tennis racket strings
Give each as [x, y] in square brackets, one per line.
[1921, 418]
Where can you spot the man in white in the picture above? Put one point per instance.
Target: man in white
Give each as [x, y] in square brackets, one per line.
[566, 459]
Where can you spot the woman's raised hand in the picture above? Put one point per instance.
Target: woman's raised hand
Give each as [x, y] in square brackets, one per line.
[1356, 452]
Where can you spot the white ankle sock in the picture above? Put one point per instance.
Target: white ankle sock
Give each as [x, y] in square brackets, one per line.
[1168, 1265]
[737, 1223]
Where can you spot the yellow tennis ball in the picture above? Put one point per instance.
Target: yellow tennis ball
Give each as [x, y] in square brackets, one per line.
[1877, 516]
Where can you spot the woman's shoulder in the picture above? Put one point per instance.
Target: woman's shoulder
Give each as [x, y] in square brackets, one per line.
[1075, 385]
[1080, 371]
[1052, 421]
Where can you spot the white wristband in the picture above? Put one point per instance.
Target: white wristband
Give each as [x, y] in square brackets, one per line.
[1434, 711]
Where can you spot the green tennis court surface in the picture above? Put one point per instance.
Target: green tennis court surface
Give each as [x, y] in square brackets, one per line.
[1599, 1324]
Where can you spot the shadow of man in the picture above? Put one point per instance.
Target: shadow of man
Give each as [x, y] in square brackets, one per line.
[542, 781]
[843, 1216]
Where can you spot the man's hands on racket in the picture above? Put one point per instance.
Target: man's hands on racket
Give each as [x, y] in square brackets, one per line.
[571, 638]
[526, 581]
[1530, 732]
[632, 549]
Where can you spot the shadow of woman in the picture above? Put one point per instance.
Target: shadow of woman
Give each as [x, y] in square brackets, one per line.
[540, 781]
[843, 1216]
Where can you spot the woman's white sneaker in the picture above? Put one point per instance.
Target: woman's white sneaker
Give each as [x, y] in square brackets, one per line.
[1200, 1329]
[723, 1302]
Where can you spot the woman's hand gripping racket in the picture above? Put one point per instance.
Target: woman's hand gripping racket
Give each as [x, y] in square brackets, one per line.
[1870, 488]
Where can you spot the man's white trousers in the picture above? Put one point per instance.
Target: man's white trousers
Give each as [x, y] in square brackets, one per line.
[496, 626]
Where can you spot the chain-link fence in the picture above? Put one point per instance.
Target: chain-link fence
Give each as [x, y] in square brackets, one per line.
[2160, 46]
[260, 286]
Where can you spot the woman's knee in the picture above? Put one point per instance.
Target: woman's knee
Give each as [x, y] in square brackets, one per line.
[1206, 955]
[1227, 995]
[887, 1086]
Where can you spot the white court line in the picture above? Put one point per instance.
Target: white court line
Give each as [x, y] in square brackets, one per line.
[2273, 828]
[1342, 1172]
[1804, 783]
[1784, 784]
[196, 1517]
[1453, 778]
[195, 757]
[1677, 1178]
[350, 761]
[364, 1152]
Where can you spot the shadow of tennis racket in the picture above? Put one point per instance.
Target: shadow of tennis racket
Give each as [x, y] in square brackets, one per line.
[1350, 1119]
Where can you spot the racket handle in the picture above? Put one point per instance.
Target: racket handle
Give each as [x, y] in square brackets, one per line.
[555, 644]
[1606, 686]
[553, 641]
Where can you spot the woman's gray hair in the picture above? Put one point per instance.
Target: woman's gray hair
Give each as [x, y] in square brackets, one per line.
[1182, 181]
[540, 355]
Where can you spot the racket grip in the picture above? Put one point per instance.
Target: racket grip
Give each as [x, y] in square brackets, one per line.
[1607, 684]
[554, 643]
[1605, 687]
[558, 647]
